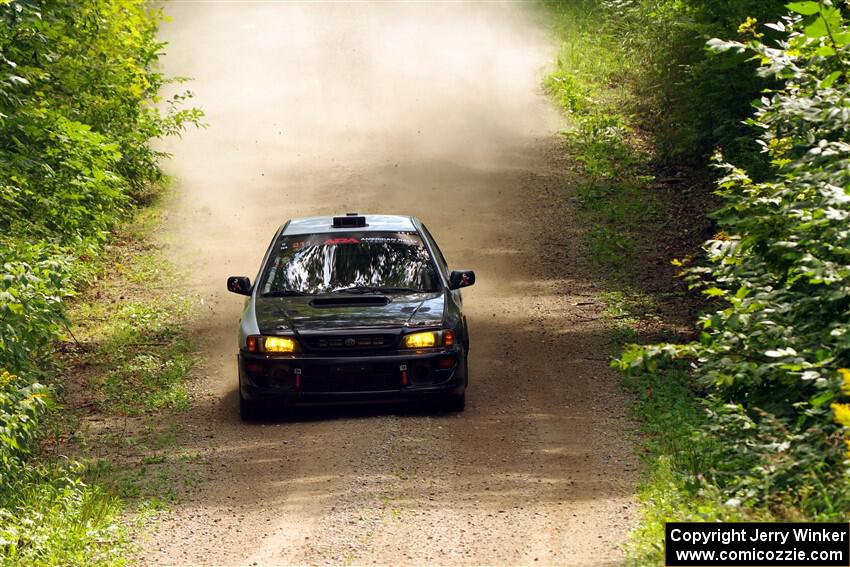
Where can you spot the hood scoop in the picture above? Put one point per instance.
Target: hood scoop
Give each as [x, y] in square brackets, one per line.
[350, 300]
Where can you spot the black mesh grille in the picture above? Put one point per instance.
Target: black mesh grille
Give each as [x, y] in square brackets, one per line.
[349, 342]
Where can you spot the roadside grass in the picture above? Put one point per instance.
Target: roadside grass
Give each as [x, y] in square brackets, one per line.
[589, 84]
[614, 195]
[679, 452]
[125, 356]
[133, 361]
[51, 517]
[130, 329]
[138, 361]
[627, 312]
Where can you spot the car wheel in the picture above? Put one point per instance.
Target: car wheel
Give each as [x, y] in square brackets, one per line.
[248, 410]
[454, 403]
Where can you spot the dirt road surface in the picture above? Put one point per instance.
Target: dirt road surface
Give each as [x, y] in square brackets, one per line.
[427, 109]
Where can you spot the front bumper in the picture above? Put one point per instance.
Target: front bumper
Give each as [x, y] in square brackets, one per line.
[304, 379]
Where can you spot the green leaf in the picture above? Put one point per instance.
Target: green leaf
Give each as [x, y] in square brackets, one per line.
[822, 398]
[816, 29]
[841, 38]
[830, 79]
[828, 20]
[805, 8]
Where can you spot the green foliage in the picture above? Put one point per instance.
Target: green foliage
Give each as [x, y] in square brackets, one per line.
[750, 421]
[694, 100]
[650, 55]
[32, 289]
[31, 293]
[78, 94]
[667, 496]
[79, 105]
[680, 448]
[769, 356]
[21, 405]
[624, 311]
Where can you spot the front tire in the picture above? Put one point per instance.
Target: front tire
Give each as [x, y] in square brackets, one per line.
[454, 403]
[248, 410]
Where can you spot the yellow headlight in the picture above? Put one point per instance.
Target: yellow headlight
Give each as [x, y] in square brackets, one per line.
[420, 340]
[278, 344]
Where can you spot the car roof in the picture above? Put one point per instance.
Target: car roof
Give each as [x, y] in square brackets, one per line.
[374, 223]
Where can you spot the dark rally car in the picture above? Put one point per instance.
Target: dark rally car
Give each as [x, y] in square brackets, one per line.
[352, 308]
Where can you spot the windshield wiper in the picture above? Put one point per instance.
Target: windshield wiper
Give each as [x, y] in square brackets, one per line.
[357, 289]
[376, 289]
[403, 290]
[283, 293]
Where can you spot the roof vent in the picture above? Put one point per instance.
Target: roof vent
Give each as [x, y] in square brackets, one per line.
[350, 220]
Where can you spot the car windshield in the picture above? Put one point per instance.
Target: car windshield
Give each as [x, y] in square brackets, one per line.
[355, 262]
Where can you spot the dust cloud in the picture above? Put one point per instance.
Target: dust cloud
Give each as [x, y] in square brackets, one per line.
[308, 100]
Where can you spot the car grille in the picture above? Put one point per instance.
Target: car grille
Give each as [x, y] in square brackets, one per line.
[347, 343]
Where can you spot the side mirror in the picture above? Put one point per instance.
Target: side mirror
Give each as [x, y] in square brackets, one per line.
[461, 278]
[239, 284]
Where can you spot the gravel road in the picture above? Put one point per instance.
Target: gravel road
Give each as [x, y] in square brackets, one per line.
[427, 109]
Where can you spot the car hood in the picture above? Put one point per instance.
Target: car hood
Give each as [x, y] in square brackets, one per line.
[305, 314]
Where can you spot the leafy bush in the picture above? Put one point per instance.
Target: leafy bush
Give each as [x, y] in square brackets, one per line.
[651, 55]
[771, 356]
[694, 102]
[78, 107]
[20, 407]
[32, 288]
[78, 99]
